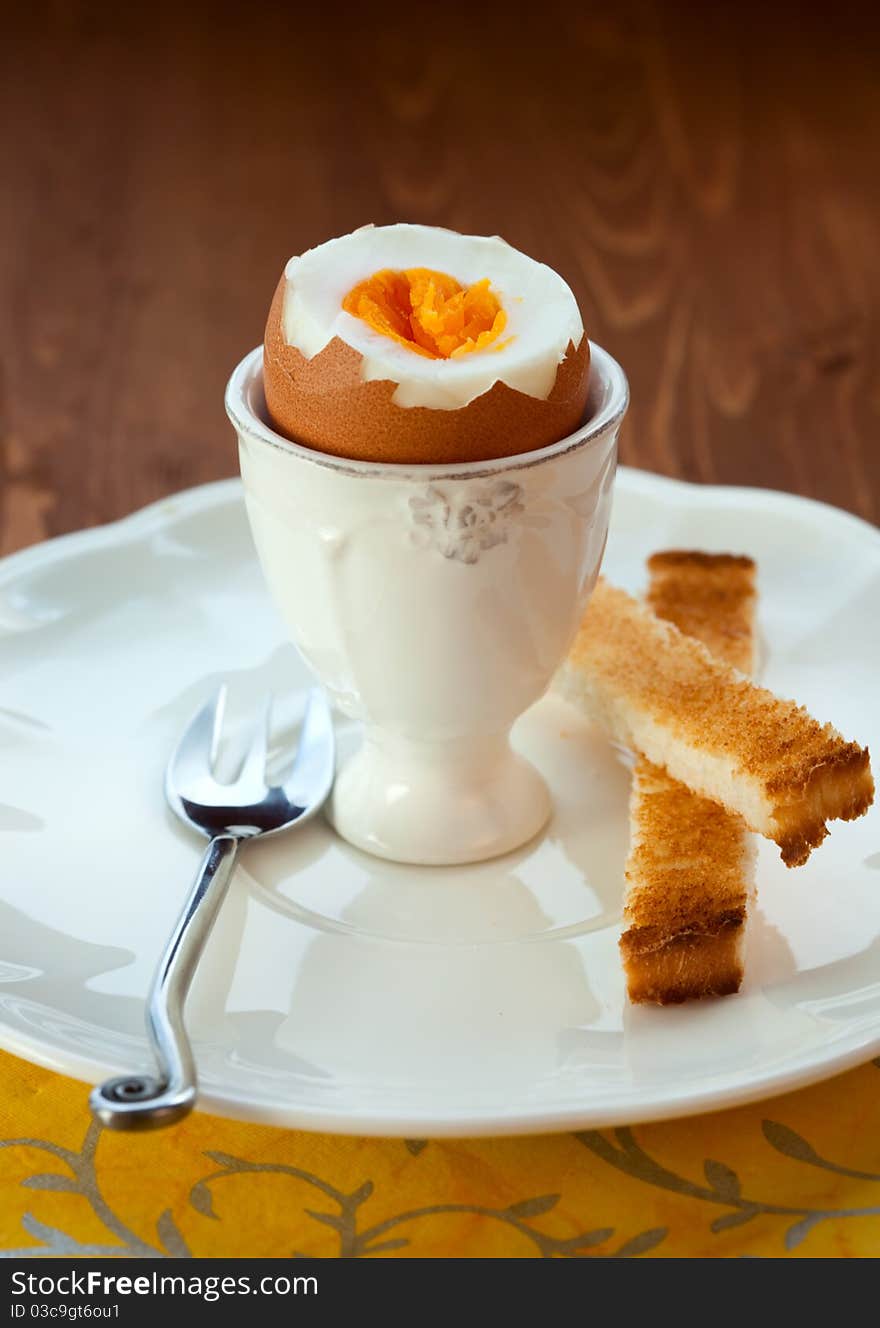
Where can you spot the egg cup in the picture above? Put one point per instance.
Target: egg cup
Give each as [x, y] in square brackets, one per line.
[434, 603]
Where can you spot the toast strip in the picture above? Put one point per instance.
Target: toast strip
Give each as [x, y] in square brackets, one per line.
[667, 697]
[690, 871]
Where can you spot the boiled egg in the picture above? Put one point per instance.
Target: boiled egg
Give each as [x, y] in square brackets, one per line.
[413, 344]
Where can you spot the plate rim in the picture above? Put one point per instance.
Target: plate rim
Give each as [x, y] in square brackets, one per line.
[857, 1048]
[232, 1105]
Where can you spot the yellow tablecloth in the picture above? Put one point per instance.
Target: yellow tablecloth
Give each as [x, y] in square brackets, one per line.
[797, 1175]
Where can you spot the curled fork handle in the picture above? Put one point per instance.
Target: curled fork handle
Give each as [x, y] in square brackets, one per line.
[144, 1102]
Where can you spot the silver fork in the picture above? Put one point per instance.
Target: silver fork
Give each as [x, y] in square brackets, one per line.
[226, 814]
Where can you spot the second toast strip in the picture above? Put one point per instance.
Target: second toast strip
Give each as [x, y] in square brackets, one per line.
[689, 875]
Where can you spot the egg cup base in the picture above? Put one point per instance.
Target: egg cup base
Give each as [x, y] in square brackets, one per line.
[438, 804]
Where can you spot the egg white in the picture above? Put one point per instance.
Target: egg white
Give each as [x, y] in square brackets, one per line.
[543, 318]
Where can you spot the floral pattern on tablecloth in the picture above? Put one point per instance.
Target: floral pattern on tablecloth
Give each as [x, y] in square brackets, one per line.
[798, 1175]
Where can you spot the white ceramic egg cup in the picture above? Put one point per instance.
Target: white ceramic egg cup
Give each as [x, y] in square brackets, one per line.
[434, 603]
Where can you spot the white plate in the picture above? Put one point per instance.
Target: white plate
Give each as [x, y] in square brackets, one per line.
[344, 993]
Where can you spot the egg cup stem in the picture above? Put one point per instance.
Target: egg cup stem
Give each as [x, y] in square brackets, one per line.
[438, 803]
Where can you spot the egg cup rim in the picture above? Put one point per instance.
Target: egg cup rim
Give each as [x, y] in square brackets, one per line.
[249, 424]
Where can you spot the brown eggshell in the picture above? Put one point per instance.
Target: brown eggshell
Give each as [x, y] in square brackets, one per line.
[325, 404]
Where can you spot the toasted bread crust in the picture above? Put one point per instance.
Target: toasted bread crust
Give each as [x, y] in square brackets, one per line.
[689, 874]
[710, 596]
[665, 695]
[687, 968]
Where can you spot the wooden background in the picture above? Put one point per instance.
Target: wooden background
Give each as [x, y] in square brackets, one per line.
[705, 176]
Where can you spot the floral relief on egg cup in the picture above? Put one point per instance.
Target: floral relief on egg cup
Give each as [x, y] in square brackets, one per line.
[462, 521]
[434, 603]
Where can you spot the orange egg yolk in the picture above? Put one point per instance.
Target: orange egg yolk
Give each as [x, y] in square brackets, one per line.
[429, 312]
